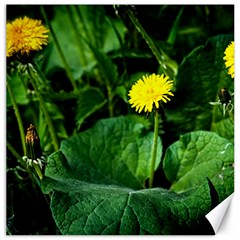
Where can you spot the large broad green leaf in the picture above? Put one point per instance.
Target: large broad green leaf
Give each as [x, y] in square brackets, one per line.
[96, 181]
[114, 151]
[201, 74]
[198, 155]
[81, 208]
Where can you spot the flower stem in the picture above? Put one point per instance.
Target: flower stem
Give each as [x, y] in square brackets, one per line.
[154, 149]
[18, 116]
[44, 107]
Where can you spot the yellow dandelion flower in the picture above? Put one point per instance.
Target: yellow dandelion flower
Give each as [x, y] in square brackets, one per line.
[25, 35]
[149, 91]
[229, 59]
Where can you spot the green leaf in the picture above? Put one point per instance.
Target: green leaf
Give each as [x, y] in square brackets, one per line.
[121, 91]
[90, 101]
[70, 24]
[99, 209]
[114, 151]
[224, 182]
[175, 28]
[19, 90]
[113, 38]
[201, 74]
[65, 34]
[146, 122]
[93, 180]
[196, 156]
[108, 70]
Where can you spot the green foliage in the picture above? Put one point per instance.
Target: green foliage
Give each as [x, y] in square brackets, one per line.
[73, 24]
[58, 120]
[201, 74]
[75, 92]
[19, 90]
[90, 174]
[194, 157]
[85, 107]
[114, 151]
[81, 208]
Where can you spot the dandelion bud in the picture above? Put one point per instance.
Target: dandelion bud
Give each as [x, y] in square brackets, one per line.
[33, 143]
[34, 156]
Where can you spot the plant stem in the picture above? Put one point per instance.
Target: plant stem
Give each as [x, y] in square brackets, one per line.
[44, 107]
[19, 119]
[154, 149]
[60, 52]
